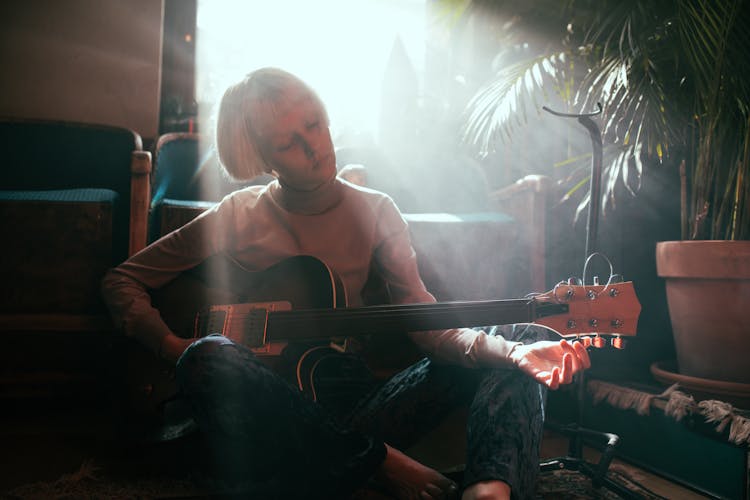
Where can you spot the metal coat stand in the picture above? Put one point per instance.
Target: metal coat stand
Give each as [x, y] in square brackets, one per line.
[574, 431]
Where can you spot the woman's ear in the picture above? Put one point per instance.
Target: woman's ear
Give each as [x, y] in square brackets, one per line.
[263, 156]
[267, 168]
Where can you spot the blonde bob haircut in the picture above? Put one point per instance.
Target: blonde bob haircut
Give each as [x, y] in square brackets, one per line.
[256, 95]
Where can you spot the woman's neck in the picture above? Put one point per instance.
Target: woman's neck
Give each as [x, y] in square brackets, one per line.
[311, 202]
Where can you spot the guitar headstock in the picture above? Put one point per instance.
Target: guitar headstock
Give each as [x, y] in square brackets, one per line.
[594, 311]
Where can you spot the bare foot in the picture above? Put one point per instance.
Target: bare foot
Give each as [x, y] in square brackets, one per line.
[407, 479]
[494, 490]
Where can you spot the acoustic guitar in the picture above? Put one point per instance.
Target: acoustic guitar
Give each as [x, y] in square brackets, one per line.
[301, 302]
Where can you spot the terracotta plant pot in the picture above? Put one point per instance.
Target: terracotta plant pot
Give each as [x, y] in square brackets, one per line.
[708, 292]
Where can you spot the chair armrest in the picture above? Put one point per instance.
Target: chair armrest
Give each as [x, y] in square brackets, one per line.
[140, 199]
[531, 184]
[526, 201]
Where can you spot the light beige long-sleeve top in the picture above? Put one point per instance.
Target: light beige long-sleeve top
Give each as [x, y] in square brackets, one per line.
[345, 226]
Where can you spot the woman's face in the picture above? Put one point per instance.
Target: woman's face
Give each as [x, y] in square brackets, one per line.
[296, 142]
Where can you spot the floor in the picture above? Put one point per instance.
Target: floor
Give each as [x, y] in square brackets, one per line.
[553, 446]
[42, 443]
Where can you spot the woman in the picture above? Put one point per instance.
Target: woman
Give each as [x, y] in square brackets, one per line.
[272, 122]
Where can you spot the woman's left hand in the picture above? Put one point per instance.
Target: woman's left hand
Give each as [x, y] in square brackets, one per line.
[551, 363]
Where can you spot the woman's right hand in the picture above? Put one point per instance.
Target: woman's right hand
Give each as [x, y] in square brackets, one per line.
[172, 347]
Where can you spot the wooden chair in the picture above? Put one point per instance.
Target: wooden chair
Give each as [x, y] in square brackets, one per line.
[186, 174]
[526, 202]
[73, 202]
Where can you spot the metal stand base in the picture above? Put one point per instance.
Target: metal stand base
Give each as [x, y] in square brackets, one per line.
[575, 462]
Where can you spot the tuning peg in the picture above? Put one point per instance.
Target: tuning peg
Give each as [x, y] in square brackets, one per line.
[573, 281]
[616, 278]
[598, 342]
[618, 342]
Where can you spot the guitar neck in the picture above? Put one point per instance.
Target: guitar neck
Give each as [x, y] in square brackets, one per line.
[257, 313]
[315, 324]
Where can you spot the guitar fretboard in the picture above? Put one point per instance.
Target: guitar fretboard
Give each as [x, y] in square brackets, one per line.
[312, 324]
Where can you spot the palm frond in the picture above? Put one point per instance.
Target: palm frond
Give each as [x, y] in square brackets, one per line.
[671, 77]
[716, 40]
[621, 166]
[502, 105]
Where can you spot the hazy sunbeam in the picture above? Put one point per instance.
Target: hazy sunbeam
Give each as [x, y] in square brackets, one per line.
[340, 47]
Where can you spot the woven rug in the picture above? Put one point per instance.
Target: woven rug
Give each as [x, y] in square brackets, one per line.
[91, 482]
[572, 485]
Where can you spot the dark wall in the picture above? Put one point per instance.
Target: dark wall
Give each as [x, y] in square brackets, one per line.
[82, 60]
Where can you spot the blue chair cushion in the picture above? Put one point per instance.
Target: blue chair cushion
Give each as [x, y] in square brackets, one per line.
[82, 195]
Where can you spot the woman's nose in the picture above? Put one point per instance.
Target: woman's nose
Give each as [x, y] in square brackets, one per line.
[309, 150]
[311, 145]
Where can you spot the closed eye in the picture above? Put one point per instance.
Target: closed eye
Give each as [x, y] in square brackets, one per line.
[313, 125]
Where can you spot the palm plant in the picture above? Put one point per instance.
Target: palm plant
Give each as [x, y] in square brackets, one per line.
[670, 75]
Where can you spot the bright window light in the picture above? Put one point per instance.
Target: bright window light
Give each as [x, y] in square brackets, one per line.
[340, 47]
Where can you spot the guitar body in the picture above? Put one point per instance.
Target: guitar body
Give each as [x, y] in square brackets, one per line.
[302, 281]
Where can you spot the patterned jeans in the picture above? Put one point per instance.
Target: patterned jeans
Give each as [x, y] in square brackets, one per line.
[277, 441]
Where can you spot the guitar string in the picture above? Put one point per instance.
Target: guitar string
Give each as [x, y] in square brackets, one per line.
[591, 292]
[585, 268]
[412, 311]
[397, 310]
[305, 317]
